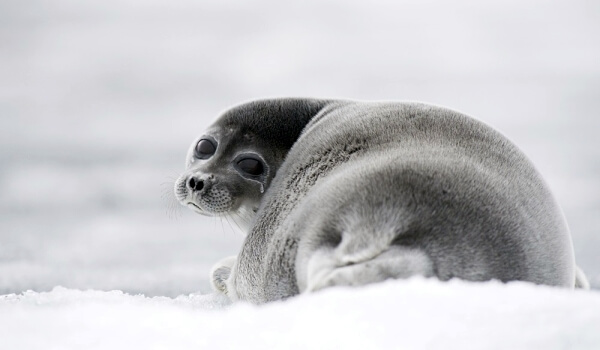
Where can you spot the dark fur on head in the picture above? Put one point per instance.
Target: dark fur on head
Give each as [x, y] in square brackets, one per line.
[280, 121]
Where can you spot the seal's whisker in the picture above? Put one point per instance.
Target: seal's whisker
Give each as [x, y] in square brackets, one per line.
[228, 222]
[236, 223]
[246, 216]
[245, 222]
[222, 226]
[173, 208]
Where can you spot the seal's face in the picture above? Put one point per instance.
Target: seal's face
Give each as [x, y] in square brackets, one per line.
[228, 171]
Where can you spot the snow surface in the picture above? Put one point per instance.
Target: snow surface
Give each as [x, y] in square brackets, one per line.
[409, 314]
[100, 99]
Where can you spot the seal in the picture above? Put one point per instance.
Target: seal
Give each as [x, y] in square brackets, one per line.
[350, 193]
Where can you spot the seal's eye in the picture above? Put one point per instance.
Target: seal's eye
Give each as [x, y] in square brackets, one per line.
[251, 166]
[205, 149]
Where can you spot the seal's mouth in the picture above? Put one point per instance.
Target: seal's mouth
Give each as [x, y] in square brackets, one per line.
[197, 209]
[194, 205]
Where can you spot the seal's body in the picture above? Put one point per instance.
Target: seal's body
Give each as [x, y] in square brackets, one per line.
[371, 191]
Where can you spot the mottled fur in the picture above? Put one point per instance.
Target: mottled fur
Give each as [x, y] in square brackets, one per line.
[371, 191]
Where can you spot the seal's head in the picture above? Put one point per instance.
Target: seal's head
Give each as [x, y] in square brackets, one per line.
[229, 167]
[228, 170]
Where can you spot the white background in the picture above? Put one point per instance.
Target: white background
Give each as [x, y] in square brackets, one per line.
[99, 101]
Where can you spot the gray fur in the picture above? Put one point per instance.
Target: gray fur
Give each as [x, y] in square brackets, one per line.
[371, 191]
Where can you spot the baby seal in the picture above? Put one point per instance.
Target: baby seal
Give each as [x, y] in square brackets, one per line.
[349, 193]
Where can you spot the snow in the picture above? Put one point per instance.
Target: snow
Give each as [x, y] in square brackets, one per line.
[409, 314]
[99, 101]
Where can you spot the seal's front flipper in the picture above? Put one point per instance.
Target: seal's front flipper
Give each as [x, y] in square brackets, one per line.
[220, 273]
[325, 269]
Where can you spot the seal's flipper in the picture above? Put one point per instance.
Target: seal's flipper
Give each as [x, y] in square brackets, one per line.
[325, 269]
[220, 273]
[581, 282]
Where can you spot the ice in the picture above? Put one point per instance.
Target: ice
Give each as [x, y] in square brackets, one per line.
[409, 314]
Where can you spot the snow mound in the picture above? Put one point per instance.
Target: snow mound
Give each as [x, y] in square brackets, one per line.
[409, 314]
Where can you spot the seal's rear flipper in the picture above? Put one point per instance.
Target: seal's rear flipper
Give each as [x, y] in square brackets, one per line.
[581, 282]
[325, 270]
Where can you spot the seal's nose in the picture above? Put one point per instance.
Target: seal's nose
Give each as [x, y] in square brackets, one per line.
[195, 184]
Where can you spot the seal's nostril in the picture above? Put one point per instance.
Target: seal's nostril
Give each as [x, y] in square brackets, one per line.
[195, 185]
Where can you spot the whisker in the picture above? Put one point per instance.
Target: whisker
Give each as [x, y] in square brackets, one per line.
[230, 226]
[247, 216]
[236, 223]
[245, 222]
[172, 206]
[222, 227]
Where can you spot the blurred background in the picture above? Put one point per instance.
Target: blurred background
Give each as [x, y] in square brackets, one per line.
[100, 99]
